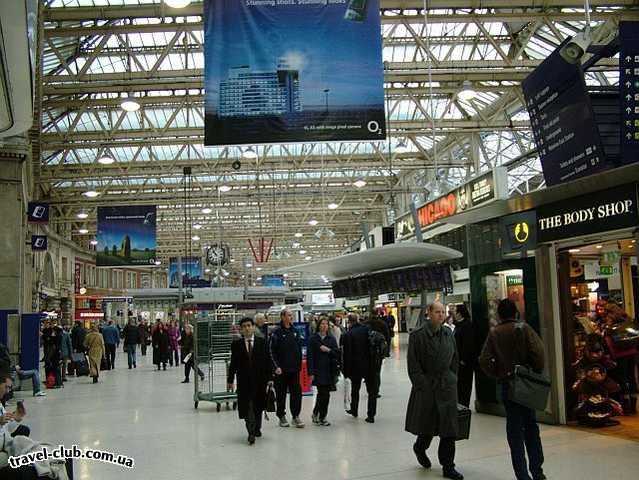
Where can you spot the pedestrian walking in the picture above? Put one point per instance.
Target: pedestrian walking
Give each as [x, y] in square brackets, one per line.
[251, 365]
[285, 347]
[94, 345]
[186, 344]
[111, 336]
[432, 406]
[131, 335]
[145, 335]
[160, 340]
[174, 349]
[467, 353]
[66, 349]
[322, 357]
[509, 344]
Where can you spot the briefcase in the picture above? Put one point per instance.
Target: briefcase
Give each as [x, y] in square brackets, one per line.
[270, 399]
[463, 420]
[528, 388]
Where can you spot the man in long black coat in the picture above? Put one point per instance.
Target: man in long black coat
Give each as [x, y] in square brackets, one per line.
[432, 407]
[251, 364]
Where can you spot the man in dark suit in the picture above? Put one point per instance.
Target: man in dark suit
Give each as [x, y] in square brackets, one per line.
[250, 362]
[357, 367]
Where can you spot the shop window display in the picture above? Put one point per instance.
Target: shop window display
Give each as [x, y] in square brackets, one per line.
[605, 335]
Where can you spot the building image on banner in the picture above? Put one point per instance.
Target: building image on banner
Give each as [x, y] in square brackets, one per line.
[293, 71]
[126, 236]
[192, 275]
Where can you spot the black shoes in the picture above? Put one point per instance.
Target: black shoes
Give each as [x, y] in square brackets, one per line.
[258, 434]
[186, 380]
[541, 476]
[251, 439]
[351, 412]
[370, 420]
[422, 458]
[452, 474]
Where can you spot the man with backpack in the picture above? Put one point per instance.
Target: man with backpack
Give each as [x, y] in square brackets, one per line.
[363, 355]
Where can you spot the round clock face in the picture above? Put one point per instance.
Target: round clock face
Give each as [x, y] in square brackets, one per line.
[216, 255]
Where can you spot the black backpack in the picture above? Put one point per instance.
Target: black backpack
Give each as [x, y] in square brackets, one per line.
[378, 346]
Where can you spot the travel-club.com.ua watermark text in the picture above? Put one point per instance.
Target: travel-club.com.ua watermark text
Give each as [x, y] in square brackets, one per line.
[62, 453]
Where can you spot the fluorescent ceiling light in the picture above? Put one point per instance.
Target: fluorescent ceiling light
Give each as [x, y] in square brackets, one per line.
[105, 160]
[598, 246]
[130, 104]
[195, 238]
[332, 206]
[93, 242]
[197, 226]
[312, 222]
[296, 245]
[259, 269]
[249, 154]
[83, 231]
[467, 93]
[225, 188]
[359, 183]
[177, 3]
[574, 250]
[299, 235]
[207, 270]
[307, 258]
[83, 215]
[206, 210]
[302, 252]
[248, 265]
[91, 194]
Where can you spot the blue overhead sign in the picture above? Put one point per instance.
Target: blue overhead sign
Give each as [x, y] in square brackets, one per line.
[629, 90]
[562, 120]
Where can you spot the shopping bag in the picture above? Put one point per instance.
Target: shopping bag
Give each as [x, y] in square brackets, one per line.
[463, 420]
[347, 393]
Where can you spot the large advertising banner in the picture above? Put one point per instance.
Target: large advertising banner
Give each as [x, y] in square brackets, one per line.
[293, 71]
[126, 236]
[192, 275]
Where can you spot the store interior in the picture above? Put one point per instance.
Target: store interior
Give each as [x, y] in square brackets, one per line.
[601, 342]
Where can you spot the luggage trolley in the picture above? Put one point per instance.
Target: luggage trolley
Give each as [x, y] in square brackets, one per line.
[214, 331]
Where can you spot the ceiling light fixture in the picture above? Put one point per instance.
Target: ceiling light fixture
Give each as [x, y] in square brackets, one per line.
[225, 188]
[93, 242]
[296, 245]
[177, 3]
[312, 222]
[158, 262]
[206, 210]
[308, 258]
[105, 160]
[332, 206]
[598, 246]
[248, 265]
[574, 250]
[197, 226]
[401, 146]
[130, 104]
[207, 270]
[195, 238]
[298, 235]
[91, 194]
[249, 154]
[83, 231]
[359, 183]
[83, 215]
[302, 252]
[259, 269]
[466, 93]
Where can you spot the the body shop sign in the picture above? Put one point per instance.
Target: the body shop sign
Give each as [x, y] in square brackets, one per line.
[608, 210]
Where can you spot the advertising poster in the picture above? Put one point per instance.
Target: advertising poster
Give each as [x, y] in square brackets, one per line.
[293, 71]
[192, 275]
[126, 236]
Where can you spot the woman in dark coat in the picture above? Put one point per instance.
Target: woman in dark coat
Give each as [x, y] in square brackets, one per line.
[160, 339]
[467, 352]
[432, 407]
[322, 358]
[186, 350]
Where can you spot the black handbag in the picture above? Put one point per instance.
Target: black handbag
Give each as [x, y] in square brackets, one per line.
[463, 420]
[270, 399]
[528, 388]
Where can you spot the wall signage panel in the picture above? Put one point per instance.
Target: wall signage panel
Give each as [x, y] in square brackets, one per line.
[603, 211]
[629, 90]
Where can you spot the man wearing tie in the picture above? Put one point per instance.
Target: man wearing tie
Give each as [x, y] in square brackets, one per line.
[250, 362]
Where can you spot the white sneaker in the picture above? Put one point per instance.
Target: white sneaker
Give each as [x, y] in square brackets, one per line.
[40, 394]
[298, 423]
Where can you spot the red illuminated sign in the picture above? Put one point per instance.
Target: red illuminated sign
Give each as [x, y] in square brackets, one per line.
[436, 210]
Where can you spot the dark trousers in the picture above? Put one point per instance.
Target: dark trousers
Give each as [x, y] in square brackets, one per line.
[143, 348]
[253, 419]
[445, 452]
[187, 369]
[464, 384]
[110, 355]
[372, 389]
[174, 356]
[288, 382]
[130, 354]
[523, 436]
[322, 400]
